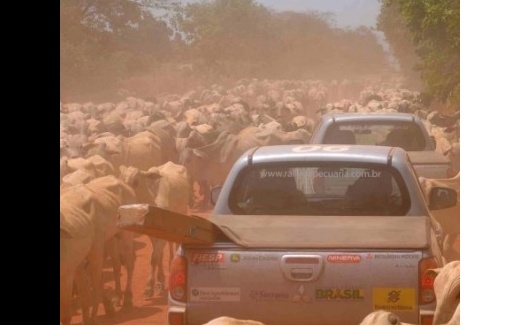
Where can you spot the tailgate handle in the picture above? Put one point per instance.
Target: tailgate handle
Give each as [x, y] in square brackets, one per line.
[301, 267]
[301, 274]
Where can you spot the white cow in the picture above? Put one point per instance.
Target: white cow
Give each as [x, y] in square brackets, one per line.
[224, 320]
[448, 219]
[447, 293]
[382, 317]
[166, 186]
[88, 219]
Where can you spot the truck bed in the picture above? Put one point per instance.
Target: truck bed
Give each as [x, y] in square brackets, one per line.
[280, 231]
[362, 232]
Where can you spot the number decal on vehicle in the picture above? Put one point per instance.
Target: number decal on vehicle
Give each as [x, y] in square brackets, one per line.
[316, 148]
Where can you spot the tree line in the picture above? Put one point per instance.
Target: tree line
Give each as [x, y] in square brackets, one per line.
[147, 46]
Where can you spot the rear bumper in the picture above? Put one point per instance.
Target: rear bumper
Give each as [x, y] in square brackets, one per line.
[176, 316]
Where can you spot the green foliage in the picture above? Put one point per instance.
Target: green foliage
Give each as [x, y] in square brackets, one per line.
[400, 40]
[433, 27]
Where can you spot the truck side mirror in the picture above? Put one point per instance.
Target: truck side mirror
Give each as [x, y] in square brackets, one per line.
[442, 198]
[215, 192]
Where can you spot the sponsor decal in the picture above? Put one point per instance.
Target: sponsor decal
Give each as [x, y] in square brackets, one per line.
[235, 257]
[311, 148]
[256, 258]
[340, 294]
[207, 258]
[262, 295]
[394, 299]
[215, 294]
[397, 256]
[212, 266]
[301, 296]
[344, 258]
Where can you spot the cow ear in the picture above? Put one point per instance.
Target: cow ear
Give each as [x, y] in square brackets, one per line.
[129, 175]
[199, 154]
[111, 150]
[64, 234]
[152, 174]
[87, 146]
[432, 273]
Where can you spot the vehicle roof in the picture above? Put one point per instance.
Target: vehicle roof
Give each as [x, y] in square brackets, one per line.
[325, 152]
[372, 116]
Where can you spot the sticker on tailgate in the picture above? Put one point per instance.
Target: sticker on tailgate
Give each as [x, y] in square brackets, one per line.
[344, 258]
[215, 294]
[394, 299]
[340, 294]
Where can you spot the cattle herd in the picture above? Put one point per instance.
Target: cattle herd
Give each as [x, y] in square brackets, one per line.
[142, 150]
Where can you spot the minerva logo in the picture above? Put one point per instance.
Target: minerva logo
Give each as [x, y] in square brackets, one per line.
[207, 258]
[344, 258]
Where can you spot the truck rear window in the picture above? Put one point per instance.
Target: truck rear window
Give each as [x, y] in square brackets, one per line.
[406, 135]
[320, 189]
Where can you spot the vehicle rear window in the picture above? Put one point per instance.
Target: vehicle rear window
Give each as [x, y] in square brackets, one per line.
[406, 135]
[320, 189]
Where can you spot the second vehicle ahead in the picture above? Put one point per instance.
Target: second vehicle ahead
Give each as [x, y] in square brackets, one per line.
[403, 130]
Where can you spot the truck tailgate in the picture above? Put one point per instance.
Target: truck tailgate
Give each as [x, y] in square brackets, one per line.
[301, 287]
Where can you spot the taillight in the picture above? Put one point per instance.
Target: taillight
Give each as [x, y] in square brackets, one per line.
[175, 319]
[426, 293]
[427, 320]
[177, 281]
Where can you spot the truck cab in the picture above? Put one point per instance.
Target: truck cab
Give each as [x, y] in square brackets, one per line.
[402, 130]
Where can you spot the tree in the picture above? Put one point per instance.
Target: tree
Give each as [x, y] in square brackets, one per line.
[223, 31]
[399, 39]
[434, 29]
[103, 41]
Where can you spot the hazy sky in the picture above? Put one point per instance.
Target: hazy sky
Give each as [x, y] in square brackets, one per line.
[352, 13]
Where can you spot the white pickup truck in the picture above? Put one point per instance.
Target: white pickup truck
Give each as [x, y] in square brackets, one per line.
[402, 130]
[304, 234]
